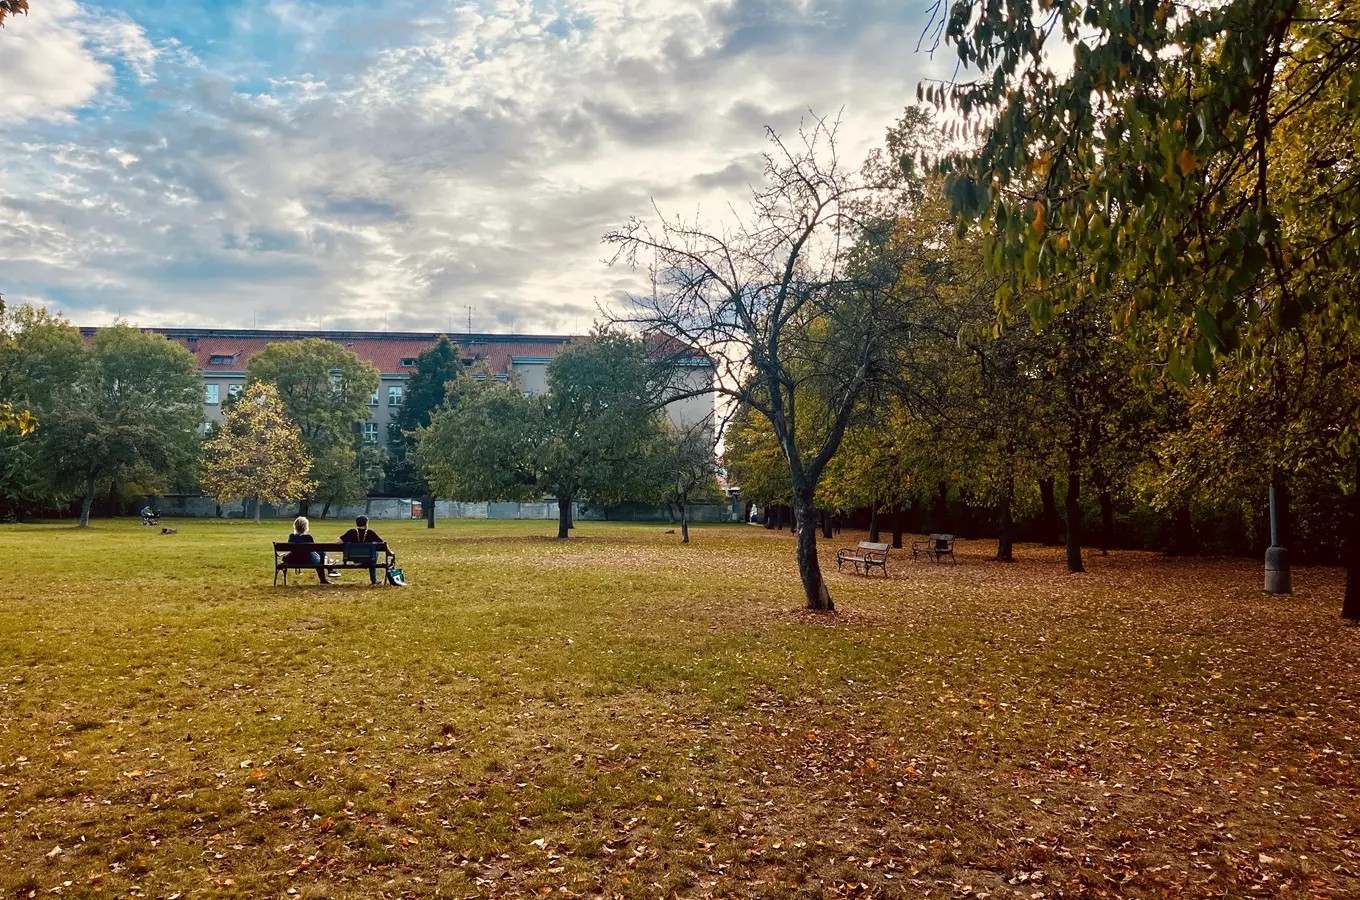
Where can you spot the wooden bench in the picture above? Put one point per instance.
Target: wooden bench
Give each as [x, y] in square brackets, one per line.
[936, 547]
[867, 554]
[352, 556]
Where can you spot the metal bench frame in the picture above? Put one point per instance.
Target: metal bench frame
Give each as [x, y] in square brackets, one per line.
[868, 554]
[936, 547]
[352, 556]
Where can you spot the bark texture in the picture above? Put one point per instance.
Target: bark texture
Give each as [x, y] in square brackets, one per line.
[1050, 527]
[1073, 506]
[1005, 543]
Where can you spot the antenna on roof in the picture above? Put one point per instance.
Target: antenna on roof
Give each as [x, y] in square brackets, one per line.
[469, 309]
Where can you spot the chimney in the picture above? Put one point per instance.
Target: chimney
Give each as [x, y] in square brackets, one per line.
[193, 345]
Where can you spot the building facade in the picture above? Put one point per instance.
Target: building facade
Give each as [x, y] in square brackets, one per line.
[223, 354]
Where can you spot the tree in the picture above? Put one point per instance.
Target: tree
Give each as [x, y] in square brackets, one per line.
[12, 8]
[754, 460]
[258, 453]
[686, 469]
[1202, 160]
[781, 307]
[134, 407]
[585, 439]
[326, 390]
[436, 368]
[41, 355]
[344, 475]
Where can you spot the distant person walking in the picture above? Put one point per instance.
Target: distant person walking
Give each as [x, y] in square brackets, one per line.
[362, 534]
[301, 535]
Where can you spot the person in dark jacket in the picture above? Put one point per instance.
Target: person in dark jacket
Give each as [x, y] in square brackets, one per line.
[362, 534]
[302, 557]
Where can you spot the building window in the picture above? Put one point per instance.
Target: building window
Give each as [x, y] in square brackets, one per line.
[210, 394]
[409, 362]
[373, 401]
[370, 432]
[394, 395]
[221, 360]
[234, 389]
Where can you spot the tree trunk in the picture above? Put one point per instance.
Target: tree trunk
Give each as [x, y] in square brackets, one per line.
[826, 524]
[809, 569]
[793, 521]
[113, 498]
[684, 524]
[257, 510]
[873, 524]
[1005, 543]
[915, 522]
[326, 509]
[1182, 542]
[767, 518]
[304, 505]
[571, 516]
[563, 518]
[1106, 523]
[942, 508]
[87, 502]
[897, 526]
[1350, 546]
[1073, 505]
[1049, 534]
[429, 510]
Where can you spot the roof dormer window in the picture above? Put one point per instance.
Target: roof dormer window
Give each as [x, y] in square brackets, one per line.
[409, 362]
[221, 359]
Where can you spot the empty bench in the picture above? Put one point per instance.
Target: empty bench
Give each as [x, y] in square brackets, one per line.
[351, 556]
[936, 547]
[867, 554]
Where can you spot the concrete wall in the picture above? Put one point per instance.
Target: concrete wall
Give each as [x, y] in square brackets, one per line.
[391, 508]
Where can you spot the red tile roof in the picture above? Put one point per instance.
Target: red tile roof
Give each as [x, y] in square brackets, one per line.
[384, 351]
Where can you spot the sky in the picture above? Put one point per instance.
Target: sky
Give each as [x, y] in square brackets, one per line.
[385, 165]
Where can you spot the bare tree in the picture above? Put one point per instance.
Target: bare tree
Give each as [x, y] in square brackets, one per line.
[785, 303]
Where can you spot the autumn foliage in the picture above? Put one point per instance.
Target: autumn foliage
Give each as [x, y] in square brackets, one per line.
[258, 453]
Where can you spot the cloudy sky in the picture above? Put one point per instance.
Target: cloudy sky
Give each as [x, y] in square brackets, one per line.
[355, 164]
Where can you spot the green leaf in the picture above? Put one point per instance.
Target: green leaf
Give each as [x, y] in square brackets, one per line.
[1208, 326]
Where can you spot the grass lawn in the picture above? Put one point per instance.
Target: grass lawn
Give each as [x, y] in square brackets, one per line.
[624, 716]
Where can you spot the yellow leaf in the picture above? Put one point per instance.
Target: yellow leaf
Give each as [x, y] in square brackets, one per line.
[1187, 162]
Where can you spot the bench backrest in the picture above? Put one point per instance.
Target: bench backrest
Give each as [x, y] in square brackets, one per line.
[318, 547]
[871, 547]
[942, 541]
[360, 552]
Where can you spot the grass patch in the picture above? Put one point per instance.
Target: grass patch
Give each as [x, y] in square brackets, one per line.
[624, 716]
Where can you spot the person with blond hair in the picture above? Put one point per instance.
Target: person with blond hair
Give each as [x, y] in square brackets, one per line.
[301, 535]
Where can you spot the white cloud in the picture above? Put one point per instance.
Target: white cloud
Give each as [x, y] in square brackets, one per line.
[47, 68]
[58, 58]
[472, 154]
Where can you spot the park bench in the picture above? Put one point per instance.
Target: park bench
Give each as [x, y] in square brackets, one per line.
[352, 556]
[867, 554]
[936, 547]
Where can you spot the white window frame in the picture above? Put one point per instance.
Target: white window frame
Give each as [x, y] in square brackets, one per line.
[212, 394]
[395, 393]
[234, 389]
[370, 432]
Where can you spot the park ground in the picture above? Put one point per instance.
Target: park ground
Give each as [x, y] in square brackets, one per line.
[623, 716]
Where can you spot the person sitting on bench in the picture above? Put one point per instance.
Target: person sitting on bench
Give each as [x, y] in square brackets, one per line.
[361, 534]
[149, 516]
[303, 557]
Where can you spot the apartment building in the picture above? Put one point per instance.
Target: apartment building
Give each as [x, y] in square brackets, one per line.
[222, 355]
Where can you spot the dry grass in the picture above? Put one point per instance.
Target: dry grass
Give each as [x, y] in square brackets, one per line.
[622, 716]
